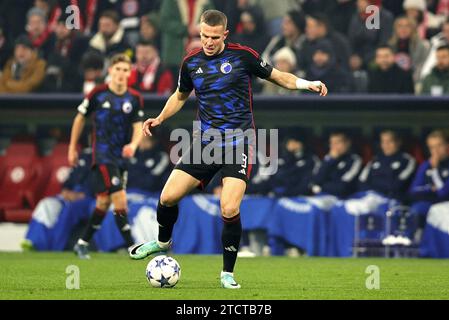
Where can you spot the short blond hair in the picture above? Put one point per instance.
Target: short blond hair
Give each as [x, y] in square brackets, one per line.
[121, 57]
[214, 18]
[441, 134]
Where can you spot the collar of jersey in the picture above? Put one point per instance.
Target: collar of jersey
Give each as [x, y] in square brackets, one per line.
[216, 56]
[118, 95]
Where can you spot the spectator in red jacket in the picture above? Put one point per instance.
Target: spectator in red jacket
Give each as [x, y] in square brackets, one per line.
[38, 32]
[148, 74]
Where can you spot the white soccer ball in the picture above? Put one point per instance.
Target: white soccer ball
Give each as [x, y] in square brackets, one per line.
[163, 272]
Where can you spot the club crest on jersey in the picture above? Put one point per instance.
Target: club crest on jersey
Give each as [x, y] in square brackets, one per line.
[115, 181]
[226, 68]
[127, 107]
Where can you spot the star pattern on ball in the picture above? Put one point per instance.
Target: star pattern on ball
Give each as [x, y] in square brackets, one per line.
[160, 263]
[163, 272]
[164, 281]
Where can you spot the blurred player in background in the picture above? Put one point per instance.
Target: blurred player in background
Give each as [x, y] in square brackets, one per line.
[221, 75]
[115, 110]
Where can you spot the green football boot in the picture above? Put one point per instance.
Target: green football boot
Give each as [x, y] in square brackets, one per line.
[227, 281]
[143, 250]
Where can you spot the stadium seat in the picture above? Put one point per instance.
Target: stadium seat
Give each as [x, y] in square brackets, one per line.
[4, 143]
[50, 172]
[24, 138]
[319, 146]
[12, 130]
[367, 151]
[45, 146]
[17, 174]
[17, 215]
[58, 170]
[417, 151]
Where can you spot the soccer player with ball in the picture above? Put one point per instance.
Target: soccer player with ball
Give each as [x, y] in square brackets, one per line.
[220, 73]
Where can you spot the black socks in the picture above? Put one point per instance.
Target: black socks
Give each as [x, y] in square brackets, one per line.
[230, 238]
[93, 225]
[166, 217]
[121, 219]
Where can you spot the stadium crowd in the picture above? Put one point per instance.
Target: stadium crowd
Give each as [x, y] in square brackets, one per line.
[44, 47]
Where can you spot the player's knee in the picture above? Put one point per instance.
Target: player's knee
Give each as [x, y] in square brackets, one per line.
[169, 199]
[120, 203]
[122, 206]
[228, 210]
[119, 199]
[103, 203]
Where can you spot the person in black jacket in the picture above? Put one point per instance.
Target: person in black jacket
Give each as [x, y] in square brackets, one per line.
[318, 29]
[64, 59]
[391, 171]
[149, 167]
[253, 33]
[388, 77]
[296, 166]
[293, 27]
[339, 169]
[324, 66]
[78, 184]
[110, 38]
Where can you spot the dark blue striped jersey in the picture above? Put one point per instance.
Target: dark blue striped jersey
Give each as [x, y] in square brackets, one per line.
[113, 117]
[222, 85]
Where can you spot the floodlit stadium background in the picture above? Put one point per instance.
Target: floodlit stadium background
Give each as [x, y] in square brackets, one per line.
[385, 65]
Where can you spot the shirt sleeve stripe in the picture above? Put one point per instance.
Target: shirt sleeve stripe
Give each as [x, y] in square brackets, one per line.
[351, 173]
[404, 175]
[233, 46]
[191, 54]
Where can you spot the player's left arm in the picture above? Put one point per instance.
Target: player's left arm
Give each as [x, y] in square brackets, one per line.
[129, 150]
[263, 70]
[292, 82]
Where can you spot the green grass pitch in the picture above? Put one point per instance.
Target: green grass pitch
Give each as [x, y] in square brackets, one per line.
[114, 276]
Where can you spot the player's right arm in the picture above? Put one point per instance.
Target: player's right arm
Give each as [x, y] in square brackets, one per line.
[175, 102]
[172, 106]
[84, 110]
[77, 129]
